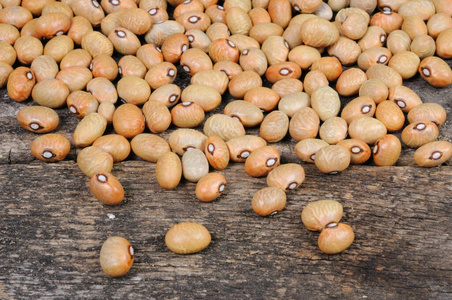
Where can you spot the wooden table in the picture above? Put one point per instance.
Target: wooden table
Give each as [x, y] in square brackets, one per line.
[52, 228]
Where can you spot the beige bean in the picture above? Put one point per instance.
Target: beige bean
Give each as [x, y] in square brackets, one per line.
[390, 114]
[433, 154]
[168, 161]
[274, 127]
[182, 139]
[149, 147]
[116, 145]
[128, 120]
[333, 130]
[210, 187]
[217, 152]
[50, 147]
[367, 129]
[242, 146]
[92, 160]
[268, 201]
[359, 151]
[387, 150]
[194, 165]
[304, 124]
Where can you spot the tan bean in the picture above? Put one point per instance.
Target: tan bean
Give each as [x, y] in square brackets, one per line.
[262, 97]
[110, 23]
[50, 92]
[89, 129]
[167, 94]
[92, 159]
[180, 140]
[304, 56]
[375, 36]
[149, 147]
[350, 81]
[242, 146]
[217, 13]
[130, 65]
[205, 96]
[187, 238]
[81, 103]
[405, 63]
[317, 32]
[75, 78]
[161, 74]
[247, 113]
[433, 154]
[318, 214]
[367, 129]
[345, 50]
[388, 75]
[274, 127]
[253, 59]
[259, 15]
[174, 46]
[442, 6]
[210, 187]
[223, 126]
[243, 4]
[291, 103]
[20, 84]
[168, 161]
[404, 97]
[438, 23]
[357, 108]
[159, 32]
[262, 31]
[9, 33]
[276, 49]
[432, 112]
[423, 46]
[329, 66]
[314, 80]
[116, 256]
[283, 70]
[333, 130]
[106, 188]
[116, 145]
[374, 56]
[419, 133]
[34, 6]
[194, 20]
[58, 47]
[325, 101]
[96, 43]
[76, 58]
[17, 16]
[90, 9]
[124, 41]
[387, 150]
[238, 21]
[268, 201]
[5, 71]
[187, 115]
[79, 27]
[261, 161]
[359, 151]
[110, 6]
[443, 44]
[243, 42]
[53, 24]
[335, 238]
[217, 31]
[157, 116]
[422, 8]
[287, 86]
[304, 124]
[50, 147]
[107, 110]
[213, 78]
[243, 82]
[375, 89]
[27, 49]
[198, 39]
[388, 20]
[136, 20]
[44, 67]
[217, 152]
[194, 60]
[306, 149]
[128, 120]
[102, 89]
[7, 52]
[390, 114]
[134, 90]
[280, 12]
[223, 49]
[398, 41]
[332, 159]
[286, 177]
[229, 68]
[158, 15]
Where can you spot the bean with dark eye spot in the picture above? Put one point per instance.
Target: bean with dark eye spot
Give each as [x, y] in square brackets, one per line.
[268, 201]
[247, 113]
[223, 49]
[241, 147]
[433, 154]
[194, 60]
[332, 159]
[388, 20]
[404, 97]
[435, 71]
[427, 112]
[124, 41]
[20, 84]
[359, 151]
[116, 256]
[372, 56]
[174, 46]
[287, 177]
[161, 74]
[387, 150]
[210, 187]
[261, 161]
[253, 59]
[283, 70]
[198, 39]
[420, 133]
[39, 119]
[187, 115]
[194, 20]
[106, 188]
[185, 138]
[150, 55]
[375, 36]
[167, 94]
[276, 49]
[81, 103]
[50, 147]
[357, 108]
[229, 68]
[130, 65]
[217, 152]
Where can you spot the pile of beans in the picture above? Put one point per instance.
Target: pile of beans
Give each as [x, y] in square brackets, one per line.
[254, 50]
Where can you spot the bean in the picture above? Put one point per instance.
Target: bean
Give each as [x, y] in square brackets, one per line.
[20, 84]
[262, 31]
[422, 8]
[414, 26]
[435, 71]
[387, 150]
[375, 36]
[350, 81]
[243, 82]
[262, 97]
[7, 52]
[404, 97]
[286, 177]
[335, 238]
[79, 27]
[241, 147]
[75, 78]
[149, 147]
[276, 49]
[374, 56]
[427, 112]
[17, 16]
[35, 7]
[130, 65]
[96, 43]
[116, 145]
[158, 15]
[306, 149]
[243, 4]
[333, 130]
[89, 129]
[287, 86]
[280, 12]
[167, 94]
[274, 127]
[253, 59]
[268, 201]
[283, 70]
[106, 188]
[261, 161]
[90, 9]
[53, 24]
[367, 129]
[194, 60]
[92, 159]
[107, 110]
[223, 49]
[102, 89]
[223, 126]
[318, 214]
[438, 23]
[50, 92]
[304, 124]
[58, 47]
[332, 159]
[289, 104]
[198, 39]
[325, 101]
[357, 108]
[442, 6]
[27, 49]
[124, 41]
[213, 78]
[423, 46]
[174, 46]
[5, 71]
[116, 256]
[238, 21]
[205, 96]
[180, 140]
[194, 165]
[433, 154]
[81, 103]
[133, 90]
[354, 26]
[388, 20]
[313, 80]
[9, 33]
[217, 31]
[50, 147]
[168, 161]
[217, 13]
[390, 114]
[317, 32]
[304, 56]
[187, 115]
[210, 187]
[375, 89]
[161, 74]
[110, 6]
[217, 152]
[187, 238]
[136, 20]
[345, 50]
[419, 133]
[329, 66]
[398, 41]
[128, 120]
[359, 150]
[388, 75]
[76, 58]
[292, 35]
[110, 23]
[390, 5]
[159, 32]
[405, 63]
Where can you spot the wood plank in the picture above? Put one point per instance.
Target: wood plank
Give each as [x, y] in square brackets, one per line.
[52, 229]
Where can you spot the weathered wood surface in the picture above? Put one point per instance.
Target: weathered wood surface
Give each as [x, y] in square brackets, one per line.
[52, 228]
